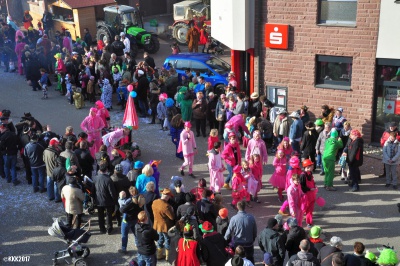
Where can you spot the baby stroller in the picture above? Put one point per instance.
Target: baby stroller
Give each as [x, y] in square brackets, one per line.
[89, 202]
[74, 239]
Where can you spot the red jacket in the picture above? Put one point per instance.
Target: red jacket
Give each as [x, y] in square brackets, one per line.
[386, 135]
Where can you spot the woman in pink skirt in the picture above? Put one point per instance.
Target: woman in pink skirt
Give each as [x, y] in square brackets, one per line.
[278, 178]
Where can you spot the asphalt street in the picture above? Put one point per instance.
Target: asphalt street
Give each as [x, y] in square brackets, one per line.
[369, 216]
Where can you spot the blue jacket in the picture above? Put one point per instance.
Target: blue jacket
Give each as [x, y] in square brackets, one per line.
[296, 129]
[242, 228]
[141, 182]
[199, 87]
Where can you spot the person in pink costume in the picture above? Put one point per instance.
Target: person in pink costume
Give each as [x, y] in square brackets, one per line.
[67, 43]
[239, 191]
[111, 139]
[257, 146]
[19, 33]
[238, 121]
[278, 178]
[216, 168]
[93, 126]
[19, 48]
[256, 169]
[187, 145]
[309, 189]
[130, 116]
[294, 169]
[232, 157]
[295, 196]
[103, 113]
[286, 147]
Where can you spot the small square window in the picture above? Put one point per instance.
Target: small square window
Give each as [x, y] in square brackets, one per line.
[338, 12]
[334, 72]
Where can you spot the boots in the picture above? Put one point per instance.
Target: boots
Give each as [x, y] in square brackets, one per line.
[160, 253]
[166, 254]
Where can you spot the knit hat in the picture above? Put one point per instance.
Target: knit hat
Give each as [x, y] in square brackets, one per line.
[206, 227]
[334, 134]
[237, 261]
[138, 165]
[315, 231]
[188, 124]
[169, 103]
[319, 122]
[223, 213]
[279, 219]
[118, 168]
[54, 141]
[272, 222]
[237, 169]
[268, 258]
[292, 222]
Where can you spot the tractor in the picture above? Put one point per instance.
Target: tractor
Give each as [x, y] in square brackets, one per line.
[121, 18]
[185, 12]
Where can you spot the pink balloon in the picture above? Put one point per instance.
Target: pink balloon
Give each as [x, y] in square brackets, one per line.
[320, 201]
[130, 88]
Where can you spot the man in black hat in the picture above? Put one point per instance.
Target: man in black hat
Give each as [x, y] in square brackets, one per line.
[9, 147]
[393, 127]
[272, 241]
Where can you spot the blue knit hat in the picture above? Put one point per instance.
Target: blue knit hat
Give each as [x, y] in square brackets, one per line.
[169, 103]
[138, 165]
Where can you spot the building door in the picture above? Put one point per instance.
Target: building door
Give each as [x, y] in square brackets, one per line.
[387, 96]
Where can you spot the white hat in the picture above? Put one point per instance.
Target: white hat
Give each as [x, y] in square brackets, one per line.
[254, 95]
[340, 109]
[140, 72]
[295, 115]
[281, 111]
[122, 34]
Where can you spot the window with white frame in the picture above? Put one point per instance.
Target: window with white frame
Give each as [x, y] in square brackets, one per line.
[338, 12]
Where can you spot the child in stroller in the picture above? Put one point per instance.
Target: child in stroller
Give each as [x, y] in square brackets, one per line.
[74, 238]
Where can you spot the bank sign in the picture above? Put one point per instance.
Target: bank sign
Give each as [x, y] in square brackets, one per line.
[277, 36]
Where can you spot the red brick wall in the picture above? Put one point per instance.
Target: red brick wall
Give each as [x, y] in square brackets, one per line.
[295, 68]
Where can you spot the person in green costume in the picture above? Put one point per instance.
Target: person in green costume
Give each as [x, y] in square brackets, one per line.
[185, 103]
[332, 145]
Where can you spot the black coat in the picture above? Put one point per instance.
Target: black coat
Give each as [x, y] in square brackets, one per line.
[32, 69]
[150, 61]
[117, 47]
[207, 211]
[149, 197]
[273, 242]
[34, 151]
[121, 183]
[354, 151]
[294, 237]
[85, 160]
[131, 209]
[104, 190]
[146, 237]
[213, 249]
[325, 252]
[142, 88]
[308, 143]
[9, 143]
[59, 177]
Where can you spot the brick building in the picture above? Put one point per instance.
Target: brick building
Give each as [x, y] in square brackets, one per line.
[343, 53]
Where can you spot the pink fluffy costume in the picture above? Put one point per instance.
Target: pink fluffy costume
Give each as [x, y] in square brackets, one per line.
[278, 178]
[295, 196]
[216, 168]
[93, 125]
[111, 140]
[238, 186]
[294, 169]
[308, 186]
[187, 145]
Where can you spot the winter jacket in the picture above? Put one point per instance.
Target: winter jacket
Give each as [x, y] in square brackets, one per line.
[354, 150]
[303, 259]
[229, 155]
[213, 249]
[73, 199]
[85, 161]
[242, 228]
[69, 154]
[9, 143]
[273, 242]
[149, 197]
[320, 146]
[391, 148]
[325, 252]
[199, 110]
[296, 129]
[59, 177]
[104, 190]
[294, 237]
[121, 183]
[285, 126]
[34, 151]
[207, 211]
[141, 182]
[255, 109]
[50, 156]
[142, 88]
[131, 209]
[146, 237]
[222, 225]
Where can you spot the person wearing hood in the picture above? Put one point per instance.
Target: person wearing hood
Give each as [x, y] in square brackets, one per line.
[332, 145]
[106, 95]
[73, 196]
[216, 168]
[212, 245]
[93, 125]
[294, 236]
[354, 158]
[295, 195]
[309, 141]
[304, 256]
[270, 240]
[184, 99]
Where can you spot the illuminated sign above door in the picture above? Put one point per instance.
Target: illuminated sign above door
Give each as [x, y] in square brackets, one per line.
[277, 36]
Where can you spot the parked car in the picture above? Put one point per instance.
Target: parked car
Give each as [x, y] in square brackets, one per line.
[212, 68]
